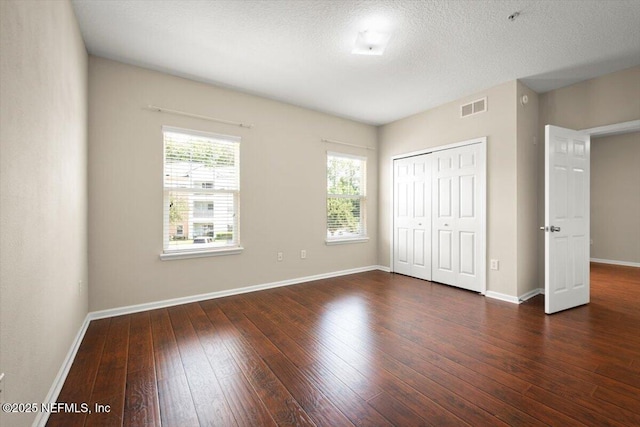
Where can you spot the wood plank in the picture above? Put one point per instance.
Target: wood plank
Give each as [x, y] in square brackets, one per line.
[324, 379]
[556, 380]
[174, 396]
[541, 411]
[283, 407]
[79, 382]
[316, 404]
[246, 406]
[562, 404]
[110, 383]
[396, 412]
[311, 388]
[367, 349]
[208, 398]
[176, 406]
[142, 407]
[212, 343]
[442, 396]
[552, 380]
[621, 400]
[292, 338]
[305, 351]
[621, 373]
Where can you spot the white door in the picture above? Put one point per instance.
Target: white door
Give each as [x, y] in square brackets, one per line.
[458, 214]
[567, 204]
[412, 216]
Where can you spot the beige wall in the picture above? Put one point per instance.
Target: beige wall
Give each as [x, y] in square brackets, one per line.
[43, 195]
[527, 191]
[615, 198]
[443, 125]
[613, 98]
[283, 185]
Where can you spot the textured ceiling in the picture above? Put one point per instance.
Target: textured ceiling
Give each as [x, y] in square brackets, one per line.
[300, 51]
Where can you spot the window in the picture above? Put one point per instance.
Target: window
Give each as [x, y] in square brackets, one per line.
[346, 198]
[201, 192]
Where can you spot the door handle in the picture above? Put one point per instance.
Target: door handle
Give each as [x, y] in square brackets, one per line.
[544, 228]
[554, 228]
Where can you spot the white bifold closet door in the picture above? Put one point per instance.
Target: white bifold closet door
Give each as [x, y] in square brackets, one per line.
[457, 214]
[412, 216]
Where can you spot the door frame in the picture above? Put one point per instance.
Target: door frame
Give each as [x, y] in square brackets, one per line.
[482, 202]
[614, 129]
[611, 130]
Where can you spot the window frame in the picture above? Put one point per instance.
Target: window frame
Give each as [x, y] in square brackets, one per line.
[169, 253]
[362, 197]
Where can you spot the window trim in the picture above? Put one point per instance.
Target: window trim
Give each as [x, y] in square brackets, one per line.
[185, 254]
[346, 241]
[364, 236]
[191, 252]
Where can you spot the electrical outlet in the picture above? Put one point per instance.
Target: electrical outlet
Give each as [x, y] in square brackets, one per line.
[280, 256]
[303, 254]
[80, 285]
[495, 264]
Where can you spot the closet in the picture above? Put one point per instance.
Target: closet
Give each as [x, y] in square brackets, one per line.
[439, 215]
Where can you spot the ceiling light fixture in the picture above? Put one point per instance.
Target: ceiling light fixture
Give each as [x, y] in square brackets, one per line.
[371, 43]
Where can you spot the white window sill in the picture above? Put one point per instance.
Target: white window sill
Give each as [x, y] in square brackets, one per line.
[346, 241]
[200, 254]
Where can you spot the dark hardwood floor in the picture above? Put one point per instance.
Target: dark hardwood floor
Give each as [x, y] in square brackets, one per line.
[367, 349]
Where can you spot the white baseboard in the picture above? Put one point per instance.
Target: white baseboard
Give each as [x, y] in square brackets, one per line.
[511, 298]
[42, 417]
[530, 294]
[502, 297]
[111, 312]
[615, 262]
[383, 268]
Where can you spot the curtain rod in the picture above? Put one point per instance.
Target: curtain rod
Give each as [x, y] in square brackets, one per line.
[197, 116]
[333, 141]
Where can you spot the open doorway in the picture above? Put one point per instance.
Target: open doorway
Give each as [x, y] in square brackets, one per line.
[615, 216]
[615, 199]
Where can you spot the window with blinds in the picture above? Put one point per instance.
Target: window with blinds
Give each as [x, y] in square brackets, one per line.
[346, 197]
[201, 191]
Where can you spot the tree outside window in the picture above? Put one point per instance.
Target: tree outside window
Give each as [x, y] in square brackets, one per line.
[345, 196]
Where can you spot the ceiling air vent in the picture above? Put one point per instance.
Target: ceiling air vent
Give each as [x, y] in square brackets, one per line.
[474, 107]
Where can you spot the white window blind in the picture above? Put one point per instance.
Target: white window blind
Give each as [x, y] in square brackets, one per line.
[346, 196]
[201, 191]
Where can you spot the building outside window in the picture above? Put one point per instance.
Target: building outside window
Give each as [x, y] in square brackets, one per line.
[201, 191]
